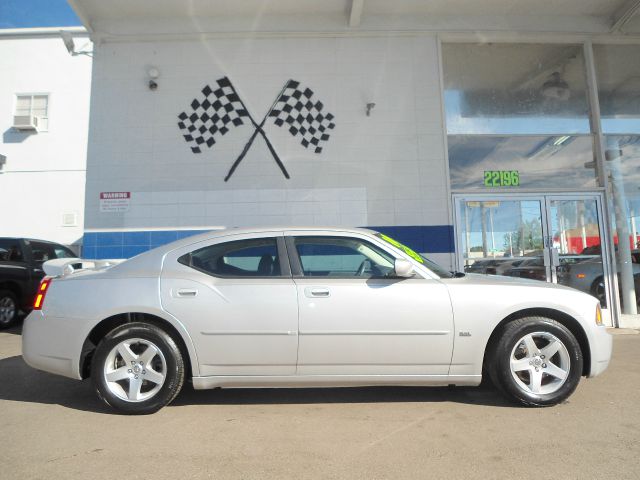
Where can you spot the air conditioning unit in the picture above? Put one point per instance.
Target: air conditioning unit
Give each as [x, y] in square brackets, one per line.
[25, 122]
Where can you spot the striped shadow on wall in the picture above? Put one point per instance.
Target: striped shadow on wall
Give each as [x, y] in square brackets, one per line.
[126, 244]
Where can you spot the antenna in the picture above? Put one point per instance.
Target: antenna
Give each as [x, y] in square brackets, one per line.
[67, 38]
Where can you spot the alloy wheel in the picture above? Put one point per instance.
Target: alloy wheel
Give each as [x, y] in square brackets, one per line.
[540, 363]
[135, 370]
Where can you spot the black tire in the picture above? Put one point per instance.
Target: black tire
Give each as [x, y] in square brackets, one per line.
[8, 309]
[169, 359]
[597, 290]
[520, 386]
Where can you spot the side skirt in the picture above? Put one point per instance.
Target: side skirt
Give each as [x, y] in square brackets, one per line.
[300, 381]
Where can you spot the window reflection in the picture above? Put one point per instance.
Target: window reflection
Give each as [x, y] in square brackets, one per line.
[618, 73]
[622, 164]
[515, 89]
[543, 162]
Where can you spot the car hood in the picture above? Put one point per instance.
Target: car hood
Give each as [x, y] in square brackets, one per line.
[500, 280]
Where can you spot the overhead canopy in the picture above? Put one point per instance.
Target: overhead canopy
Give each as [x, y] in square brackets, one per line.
[140, 17]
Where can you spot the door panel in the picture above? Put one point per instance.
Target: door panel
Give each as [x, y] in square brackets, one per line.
[376, 326]
[240, 326]
[355, 320]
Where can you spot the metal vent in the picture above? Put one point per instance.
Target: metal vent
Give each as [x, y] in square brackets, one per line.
[25, 122]
[70, 219]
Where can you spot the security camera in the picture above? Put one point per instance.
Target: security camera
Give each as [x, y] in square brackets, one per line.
[153, 73]
[67, 38]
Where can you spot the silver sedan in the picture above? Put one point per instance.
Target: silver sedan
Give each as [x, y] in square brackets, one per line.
[290, 307]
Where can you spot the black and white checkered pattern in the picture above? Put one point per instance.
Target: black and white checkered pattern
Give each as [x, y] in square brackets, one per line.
[305, 117]
[211, 115]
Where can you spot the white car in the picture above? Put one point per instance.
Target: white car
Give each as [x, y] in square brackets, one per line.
[305, 307]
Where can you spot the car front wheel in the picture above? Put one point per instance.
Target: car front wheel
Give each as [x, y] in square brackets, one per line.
[137, 369]
[537, 362]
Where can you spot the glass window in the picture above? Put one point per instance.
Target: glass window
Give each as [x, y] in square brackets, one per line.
[242, 258]
[41, 252]
[62, 252]
[10, 250]
[515, 89]
[517, 117]
[622, 166]
[342, 257]
[434, 267]
[541, 162]
[37, 105]
[618, 73]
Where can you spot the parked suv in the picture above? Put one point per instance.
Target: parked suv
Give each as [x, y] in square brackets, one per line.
[21, 262]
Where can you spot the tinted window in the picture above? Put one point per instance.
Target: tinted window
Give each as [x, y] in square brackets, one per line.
[243, 258]
[10, 250]
[342, 257]
[41, 251]
[62, 252]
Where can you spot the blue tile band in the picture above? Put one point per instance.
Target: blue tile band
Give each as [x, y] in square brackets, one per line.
[100, 245]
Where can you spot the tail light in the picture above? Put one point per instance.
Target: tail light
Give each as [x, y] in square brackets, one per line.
[42, 291]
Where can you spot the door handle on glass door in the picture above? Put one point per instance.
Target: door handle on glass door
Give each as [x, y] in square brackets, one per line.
[317, 292]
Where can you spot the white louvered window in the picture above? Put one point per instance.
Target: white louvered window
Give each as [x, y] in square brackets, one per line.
[36, 105]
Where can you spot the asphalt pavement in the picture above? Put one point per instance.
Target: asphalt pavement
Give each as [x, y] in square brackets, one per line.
[55, 428]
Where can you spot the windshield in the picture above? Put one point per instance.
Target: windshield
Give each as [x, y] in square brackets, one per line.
[434, 267]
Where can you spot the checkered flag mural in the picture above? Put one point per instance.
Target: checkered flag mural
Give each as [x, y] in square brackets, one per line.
[305, 117]
[211, 115]
[222, 108]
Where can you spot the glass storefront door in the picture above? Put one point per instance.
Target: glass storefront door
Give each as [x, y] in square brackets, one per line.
[552, 238]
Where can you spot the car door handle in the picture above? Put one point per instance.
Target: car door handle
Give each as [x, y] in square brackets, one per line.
[317, 292]
[186, 292]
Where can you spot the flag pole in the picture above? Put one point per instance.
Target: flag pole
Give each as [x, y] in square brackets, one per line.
[258, 130]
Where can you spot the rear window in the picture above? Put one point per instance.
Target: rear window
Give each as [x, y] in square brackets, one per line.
[43, 251]
[256, 257]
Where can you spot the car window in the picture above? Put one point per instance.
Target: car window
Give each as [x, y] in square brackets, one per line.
[10, 250]
[41, 252]
[61, 252]
[241, 258]
[342, 257]
[434, 267]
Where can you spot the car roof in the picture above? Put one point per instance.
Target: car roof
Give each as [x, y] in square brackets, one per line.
[31, 240]
[276, 228]
[152, 258]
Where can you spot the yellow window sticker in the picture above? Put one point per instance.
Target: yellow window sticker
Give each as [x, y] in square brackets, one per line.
[404, 248]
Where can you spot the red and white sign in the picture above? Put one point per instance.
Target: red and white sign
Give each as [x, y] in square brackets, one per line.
[115, 201]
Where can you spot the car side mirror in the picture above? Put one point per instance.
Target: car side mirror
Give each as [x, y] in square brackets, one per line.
[403, 268]
[4, 255]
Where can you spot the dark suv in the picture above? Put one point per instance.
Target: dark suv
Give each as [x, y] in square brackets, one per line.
[21, 262]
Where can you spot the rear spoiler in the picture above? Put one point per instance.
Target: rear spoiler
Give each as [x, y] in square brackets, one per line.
[61, 267]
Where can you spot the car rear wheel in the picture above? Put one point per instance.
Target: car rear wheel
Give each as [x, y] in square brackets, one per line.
[8, 309]
[137, 369]
[537, 362]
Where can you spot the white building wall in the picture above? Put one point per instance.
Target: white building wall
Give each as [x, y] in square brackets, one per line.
[44, 174]
[384, 169]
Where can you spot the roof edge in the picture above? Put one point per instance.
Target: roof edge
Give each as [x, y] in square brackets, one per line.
[42, 32]
[80, 13]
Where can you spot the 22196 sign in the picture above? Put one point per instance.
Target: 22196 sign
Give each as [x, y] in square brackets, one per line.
[501, 178]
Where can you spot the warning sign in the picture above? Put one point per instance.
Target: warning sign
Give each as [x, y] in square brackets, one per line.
[115, 201]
